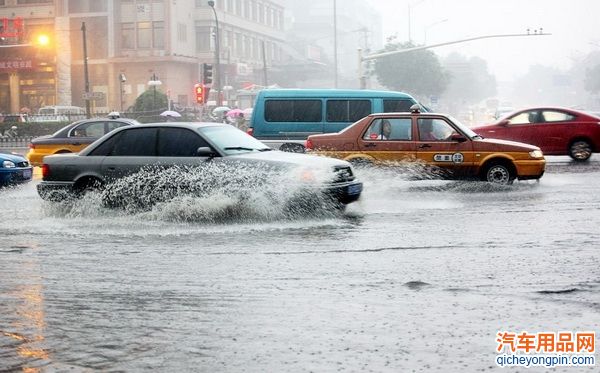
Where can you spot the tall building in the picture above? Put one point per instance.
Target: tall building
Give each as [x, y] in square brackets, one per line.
[129, 44]
[359, 25]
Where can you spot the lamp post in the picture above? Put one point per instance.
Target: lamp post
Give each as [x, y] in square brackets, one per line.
[154, 81]
[409, 8]
[86, 75]
[217, 81]
[430, 26]
[122, 79]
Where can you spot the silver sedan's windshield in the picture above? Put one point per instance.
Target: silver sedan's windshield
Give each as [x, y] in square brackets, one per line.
[231, 140]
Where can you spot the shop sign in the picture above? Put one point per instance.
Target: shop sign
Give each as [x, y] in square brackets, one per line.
[11, 28]
[6, 65]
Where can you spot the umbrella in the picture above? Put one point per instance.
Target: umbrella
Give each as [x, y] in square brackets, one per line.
[170, 113]
[235, 113]
[220, 110]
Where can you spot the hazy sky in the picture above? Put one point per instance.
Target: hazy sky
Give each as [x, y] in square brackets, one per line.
[574, 24]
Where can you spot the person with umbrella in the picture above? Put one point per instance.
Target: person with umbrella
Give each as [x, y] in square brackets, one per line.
[170, 115]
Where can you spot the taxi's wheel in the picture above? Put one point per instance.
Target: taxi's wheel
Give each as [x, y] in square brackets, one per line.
[499, 173]
[580, 150]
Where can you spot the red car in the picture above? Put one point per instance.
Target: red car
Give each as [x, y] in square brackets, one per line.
[557, 131]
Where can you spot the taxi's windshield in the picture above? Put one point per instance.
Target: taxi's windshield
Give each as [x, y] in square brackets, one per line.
[464, 129]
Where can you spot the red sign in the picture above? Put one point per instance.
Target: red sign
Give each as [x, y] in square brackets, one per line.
[6, 65]
[11, 28]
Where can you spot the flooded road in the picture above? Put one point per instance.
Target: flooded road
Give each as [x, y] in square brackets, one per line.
[417, 276]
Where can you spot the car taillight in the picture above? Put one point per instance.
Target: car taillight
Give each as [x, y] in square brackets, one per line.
[250, 131]
[45, 171]
[309, 144]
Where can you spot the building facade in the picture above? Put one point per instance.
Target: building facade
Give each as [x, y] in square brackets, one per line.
[129, 44]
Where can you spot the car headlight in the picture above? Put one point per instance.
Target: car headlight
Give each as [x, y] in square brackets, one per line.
[536, 154]
[8, 164]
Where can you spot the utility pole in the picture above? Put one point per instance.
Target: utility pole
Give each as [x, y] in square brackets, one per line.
[376, 56]
[88, 113]
[335, 48]
[264, 58]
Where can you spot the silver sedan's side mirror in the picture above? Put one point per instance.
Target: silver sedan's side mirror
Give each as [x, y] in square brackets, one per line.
[205, 151]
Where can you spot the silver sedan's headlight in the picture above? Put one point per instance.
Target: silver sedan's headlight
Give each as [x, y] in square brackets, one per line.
[8, 164]
[536, 154]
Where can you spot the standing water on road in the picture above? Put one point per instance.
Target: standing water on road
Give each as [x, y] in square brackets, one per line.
[418, 275]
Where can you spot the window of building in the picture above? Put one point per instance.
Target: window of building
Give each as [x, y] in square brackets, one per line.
[253, 10]
[203, 34]
[293, 110]
[239, 48]
[158, 35]
[261, 13]
[86, 6]
[144, 35]
[229, 6]
[181, 32]
[19, 2]
[238, 7]
[246, 9]
[2, 3]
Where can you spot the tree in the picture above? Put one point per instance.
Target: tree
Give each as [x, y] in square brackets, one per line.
[592, 79]
[469, 79]
[146, 101]
[419, 73]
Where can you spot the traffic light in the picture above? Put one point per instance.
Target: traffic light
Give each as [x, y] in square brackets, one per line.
[207, 73]
[199, 92]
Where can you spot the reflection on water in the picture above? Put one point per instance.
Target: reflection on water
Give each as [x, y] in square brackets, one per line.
[23, 344]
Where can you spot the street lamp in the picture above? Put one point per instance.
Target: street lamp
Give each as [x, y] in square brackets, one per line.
[409, 8]
[217, 81]
[122, 79]
[154, 81]
[430, 26]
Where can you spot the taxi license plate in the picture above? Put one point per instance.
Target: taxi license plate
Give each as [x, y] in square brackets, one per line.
[26, 174]
[354, 189]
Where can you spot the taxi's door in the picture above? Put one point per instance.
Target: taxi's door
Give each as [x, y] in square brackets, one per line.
[389, 140]
[439, 146]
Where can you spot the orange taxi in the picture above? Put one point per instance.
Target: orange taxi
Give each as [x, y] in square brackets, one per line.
[433, 140]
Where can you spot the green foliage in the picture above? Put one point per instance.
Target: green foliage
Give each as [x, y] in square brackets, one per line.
[146, 101]
[470, 82]
[418, 73]
[592, 79]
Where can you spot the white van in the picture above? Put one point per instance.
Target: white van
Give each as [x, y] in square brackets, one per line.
[59, 114]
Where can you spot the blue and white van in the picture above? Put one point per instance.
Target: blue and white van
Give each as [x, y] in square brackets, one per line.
[284, 118]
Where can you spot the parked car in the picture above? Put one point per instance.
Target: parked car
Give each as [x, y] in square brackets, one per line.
[59, 114]
[74, 137]
[14, 169]
[557, 131]
[130, 149]
[432, 140]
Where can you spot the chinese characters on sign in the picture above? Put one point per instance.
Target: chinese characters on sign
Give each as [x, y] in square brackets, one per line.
[10, 65]
[11, 28]
[546, 342]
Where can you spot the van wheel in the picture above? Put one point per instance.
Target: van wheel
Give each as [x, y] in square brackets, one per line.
[499, 173]
[580, 150]
[292, 148]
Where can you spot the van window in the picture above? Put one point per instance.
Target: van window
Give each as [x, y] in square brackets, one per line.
[397, 106]
[293, 110]
[347, 110]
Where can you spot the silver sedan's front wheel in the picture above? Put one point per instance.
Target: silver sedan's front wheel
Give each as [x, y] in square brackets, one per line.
[499, 174]
[580, 150]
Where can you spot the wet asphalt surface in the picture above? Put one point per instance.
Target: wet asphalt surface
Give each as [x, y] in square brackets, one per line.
[417, 276]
